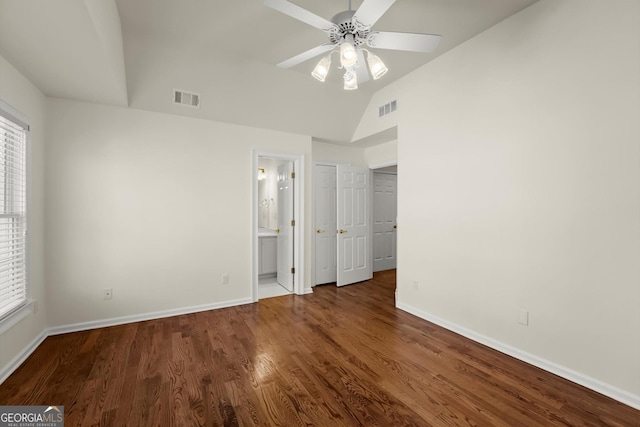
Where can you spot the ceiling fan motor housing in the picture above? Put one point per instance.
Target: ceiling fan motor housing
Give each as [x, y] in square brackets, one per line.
[345, 24]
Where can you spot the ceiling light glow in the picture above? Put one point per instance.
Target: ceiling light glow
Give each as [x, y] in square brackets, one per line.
[350, 80]
[376, 66]
[322, 69]
[348, 54]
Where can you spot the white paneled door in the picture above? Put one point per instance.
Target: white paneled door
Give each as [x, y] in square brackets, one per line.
[285, 225]
[354, 225]
[325, 224]
[384, 221]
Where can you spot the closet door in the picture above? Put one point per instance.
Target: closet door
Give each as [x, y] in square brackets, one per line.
[385, 201]
[325, 224]
[354, 225]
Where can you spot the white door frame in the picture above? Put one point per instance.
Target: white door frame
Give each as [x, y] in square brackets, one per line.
[298, 232]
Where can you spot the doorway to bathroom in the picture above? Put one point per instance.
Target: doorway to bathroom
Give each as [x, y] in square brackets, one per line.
[277, 225]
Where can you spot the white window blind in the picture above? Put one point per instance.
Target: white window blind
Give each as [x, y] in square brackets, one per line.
[13, 213]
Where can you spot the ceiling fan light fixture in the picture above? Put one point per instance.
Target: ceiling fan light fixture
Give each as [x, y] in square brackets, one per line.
[322, 69]
[350, 80]
[348, 54]
[349, 33]
[376, 66]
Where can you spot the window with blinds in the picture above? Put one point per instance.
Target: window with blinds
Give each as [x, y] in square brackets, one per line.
[13, 212]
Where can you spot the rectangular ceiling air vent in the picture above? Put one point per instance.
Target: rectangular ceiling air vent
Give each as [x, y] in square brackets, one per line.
[189, 99]
[387, 108]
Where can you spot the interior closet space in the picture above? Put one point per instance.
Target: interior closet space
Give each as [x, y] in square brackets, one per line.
[355, 222]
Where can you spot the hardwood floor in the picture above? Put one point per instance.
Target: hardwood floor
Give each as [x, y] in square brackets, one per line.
[339, 357]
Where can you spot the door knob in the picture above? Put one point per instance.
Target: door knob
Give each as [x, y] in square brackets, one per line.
[277, 230]
[319, 231]
[395, 226]
[341, 231]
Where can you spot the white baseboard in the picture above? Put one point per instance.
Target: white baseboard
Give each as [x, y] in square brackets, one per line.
[613, 392]
[85, 326]
[15, 363]
[10, 367]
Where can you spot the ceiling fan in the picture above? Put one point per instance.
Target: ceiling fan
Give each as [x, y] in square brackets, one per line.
[349, 32]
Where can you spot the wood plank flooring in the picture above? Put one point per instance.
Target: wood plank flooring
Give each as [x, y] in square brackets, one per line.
[339, 357]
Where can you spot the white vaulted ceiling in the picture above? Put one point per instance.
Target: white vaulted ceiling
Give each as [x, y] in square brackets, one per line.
[67, 48]
[136, 52]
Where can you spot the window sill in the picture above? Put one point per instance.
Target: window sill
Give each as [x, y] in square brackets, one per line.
[16, 316]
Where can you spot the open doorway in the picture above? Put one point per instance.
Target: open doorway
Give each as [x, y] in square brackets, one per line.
[342, 223]
[382, 251]
[385, 217]
[277, 224]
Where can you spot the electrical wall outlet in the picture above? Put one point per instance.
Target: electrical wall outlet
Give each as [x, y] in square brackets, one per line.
[107, 293]
[416, 285]
[225, 279]
[523, 317]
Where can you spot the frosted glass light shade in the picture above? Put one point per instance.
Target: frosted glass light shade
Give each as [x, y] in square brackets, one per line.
[350, 80]
[322, 69]
[348, 54]
[376, 66]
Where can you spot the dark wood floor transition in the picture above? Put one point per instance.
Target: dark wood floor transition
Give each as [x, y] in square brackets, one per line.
[339, 357]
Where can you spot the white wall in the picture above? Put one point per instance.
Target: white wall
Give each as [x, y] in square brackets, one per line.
[382, 155]
[155, 206]
[334, 153]
[523, 144]
[18, 92]
[371, 123]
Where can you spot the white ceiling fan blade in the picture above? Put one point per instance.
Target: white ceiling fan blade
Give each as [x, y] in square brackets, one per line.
[362, 69]
[371, 10]
[300, 14]
[300, 58]
[412, 42]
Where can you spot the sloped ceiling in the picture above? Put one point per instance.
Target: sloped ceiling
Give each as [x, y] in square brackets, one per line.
[225, 50]
[67, 48]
